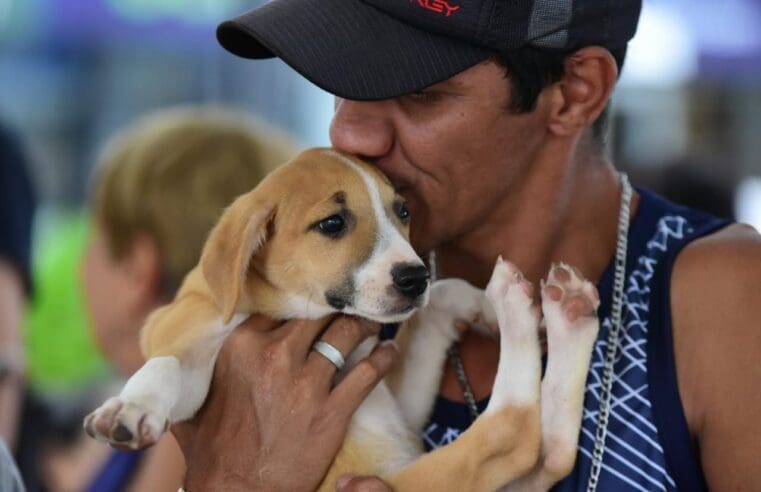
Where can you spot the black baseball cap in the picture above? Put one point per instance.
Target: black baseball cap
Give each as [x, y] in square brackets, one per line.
[377, 49]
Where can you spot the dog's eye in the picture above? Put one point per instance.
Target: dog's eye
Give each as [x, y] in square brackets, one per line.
[332, 226]
[401, 211]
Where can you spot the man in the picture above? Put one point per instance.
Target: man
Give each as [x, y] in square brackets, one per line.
[486, 115]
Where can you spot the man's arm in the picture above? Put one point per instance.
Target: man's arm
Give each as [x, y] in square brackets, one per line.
[716, 309]
[12, 299]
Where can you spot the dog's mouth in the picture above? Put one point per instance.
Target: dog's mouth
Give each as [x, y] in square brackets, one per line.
[387, 317]
[389, 312]
[403, 309]
[409, 306]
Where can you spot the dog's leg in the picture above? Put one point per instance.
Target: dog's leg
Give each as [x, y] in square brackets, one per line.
[424, 342]
[569, 303]
[171, 385]
[519, 370]
[504, 442]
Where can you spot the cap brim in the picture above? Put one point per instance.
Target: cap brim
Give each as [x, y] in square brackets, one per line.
[347, 47]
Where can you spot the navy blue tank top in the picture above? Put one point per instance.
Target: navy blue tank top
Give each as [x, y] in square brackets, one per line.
[648, 447]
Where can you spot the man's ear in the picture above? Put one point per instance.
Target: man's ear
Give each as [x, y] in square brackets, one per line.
[238, 235]
[581, 95]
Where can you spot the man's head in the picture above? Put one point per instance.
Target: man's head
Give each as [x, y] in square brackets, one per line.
[459, 102]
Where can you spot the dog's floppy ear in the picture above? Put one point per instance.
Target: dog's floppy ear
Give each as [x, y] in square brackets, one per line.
[240, 232]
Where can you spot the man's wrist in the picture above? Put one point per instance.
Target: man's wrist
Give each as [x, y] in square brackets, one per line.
[212, 480]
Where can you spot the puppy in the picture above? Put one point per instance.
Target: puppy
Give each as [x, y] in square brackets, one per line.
[326, 233]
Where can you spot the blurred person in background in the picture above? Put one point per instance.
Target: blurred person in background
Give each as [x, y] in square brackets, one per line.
[160, 186]
[17, 206]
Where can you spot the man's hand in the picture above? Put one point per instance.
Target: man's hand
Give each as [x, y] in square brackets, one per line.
[272, 420]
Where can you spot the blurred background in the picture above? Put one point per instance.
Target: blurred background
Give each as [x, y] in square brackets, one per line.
[687, 123]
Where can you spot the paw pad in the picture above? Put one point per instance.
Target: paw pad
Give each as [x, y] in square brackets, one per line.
[576, 297]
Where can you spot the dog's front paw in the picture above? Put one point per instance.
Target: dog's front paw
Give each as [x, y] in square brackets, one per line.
[569, 303]
[125, 425]
[513, 299]
[569, 300]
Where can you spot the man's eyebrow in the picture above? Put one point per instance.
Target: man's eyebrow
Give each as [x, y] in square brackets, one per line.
[453, 83]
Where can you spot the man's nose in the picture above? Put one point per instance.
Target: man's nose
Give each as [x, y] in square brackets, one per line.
[362, 128]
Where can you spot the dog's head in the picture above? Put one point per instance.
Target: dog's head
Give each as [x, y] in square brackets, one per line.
[324, 233]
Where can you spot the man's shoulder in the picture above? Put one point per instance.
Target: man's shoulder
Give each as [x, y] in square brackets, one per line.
[716, 278]
[721, 261]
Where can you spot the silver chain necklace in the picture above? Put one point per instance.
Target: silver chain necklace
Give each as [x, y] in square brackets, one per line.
[467, 392]
[614, 335]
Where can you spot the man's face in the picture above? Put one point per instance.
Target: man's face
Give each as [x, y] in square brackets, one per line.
[454, 151]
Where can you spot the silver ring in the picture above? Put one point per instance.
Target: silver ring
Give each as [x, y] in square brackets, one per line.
[329, 352]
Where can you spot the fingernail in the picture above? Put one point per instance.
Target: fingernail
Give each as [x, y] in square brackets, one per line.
[343, 481]
[390, 343]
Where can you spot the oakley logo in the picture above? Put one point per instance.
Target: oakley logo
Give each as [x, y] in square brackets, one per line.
[440, 6]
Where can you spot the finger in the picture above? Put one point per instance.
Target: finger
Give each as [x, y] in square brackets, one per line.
[352, 483]
[352, 390]
[300, 334]
[259, 322]
[344, 334]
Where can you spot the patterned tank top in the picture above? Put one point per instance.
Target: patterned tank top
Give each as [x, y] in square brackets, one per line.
[648, 447]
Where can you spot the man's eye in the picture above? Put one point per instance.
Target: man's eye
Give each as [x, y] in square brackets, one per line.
[332, 226]
[423, 96]
[401, 211]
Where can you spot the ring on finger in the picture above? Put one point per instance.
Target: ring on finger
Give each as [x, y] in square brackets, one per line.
[329, 352]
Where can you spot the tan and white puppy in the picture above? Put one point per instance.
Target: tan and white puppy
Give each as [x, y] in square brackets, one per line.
[326, 233]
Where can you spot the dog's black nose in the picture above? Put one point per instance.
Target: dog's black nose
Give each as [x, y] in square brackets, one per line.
[410, 280]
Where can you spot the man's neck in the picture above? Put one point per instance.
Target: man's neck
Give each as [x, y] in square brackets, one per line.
[562, 211]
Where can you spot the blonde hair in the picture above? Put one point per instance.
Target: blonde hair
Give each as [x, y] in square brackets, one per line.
[171, 174]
